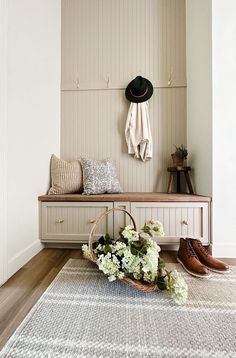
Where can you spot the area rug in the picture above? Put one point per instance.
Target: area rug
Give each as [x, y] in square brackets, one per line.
[83, 315]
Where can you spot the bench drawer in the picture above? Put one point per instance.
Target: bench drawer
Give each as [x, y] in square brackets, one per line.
[72, 222]
[179, 219]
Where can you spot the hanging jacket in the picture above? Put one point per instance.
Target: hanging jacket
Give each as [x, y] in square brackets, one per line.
[138, 131]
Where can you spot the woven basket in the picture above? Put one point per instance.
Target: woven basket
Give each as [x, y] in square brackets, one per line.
[142, 286]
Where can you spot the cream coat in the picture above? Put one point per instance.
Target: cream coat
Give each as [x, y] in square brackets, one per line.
[138, 131]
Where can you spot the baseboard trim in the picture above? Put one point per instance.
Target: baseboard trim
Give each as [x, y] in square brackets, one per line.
[19, 260]
[226, 250]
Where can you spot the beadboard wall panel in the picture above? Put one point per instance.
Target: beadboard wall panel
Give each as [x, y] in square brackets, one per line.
[105, 44]
[93, 125]
[118, 39]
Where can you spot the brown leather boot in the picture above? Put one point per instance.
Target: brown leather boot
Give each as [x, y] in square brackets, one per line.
[206, 259]
[189, 260]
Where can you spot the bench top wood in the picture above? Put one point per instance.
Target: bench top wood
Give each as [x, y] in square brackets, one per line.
[148, 197]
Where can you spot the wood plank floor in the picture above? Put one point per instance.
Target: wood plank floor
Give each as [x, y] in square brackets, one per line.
[19, 294]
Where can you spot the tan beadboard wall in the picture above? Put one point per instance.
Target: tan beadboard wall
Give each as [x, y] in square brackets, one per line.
[105, 44]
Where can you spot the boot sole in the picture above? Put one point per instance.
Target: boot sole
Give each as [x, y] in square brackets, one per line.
[193, 273]
[218, 271]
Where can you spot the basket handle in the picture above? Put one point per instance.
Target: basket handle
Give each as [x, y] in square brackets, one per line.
[101, 217]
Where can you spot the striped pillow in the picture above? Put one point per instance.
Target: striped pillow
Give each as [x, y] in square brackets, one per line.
[66, 177]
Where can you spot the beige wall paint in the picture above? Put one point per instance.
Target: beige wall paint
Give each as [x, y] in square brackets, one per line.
[118, 40]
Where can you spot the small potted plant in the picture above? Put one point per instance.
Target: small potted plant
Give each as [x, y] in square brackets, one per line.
[179, 155]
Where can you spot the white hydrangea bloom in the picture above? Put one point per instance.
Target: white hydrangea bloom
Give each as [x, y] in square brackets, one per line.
[98, 249]
[151, 243]
[111, 278]
[110, 265]
[156, 228]
[177, 287]
[150, 262]
[149, 277]
[130, 234]
[85, 250]
[144, 235]
[118, 248]
[121, 275]
[131, 263]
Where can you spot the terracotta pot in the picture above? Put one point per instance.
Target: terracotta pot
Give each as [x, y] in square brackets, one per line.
[178, 162]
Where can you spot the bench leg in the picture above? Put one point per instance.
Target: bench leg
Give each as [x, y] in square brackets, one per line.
[178, 182]
[188, 180]
[169, 189]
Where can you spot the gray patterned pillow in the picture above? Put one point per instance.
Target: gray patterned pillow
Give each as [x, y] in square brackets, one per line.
[99, 176]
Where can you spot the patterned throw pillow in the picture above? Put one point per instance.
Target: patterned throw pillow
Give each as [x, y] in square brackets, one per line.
[66, 177]
[99, 176]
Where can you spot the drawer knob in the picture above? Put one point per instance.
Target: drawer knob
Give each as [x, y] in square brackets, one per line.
[60, 221]
[185, 222]
[92, 221]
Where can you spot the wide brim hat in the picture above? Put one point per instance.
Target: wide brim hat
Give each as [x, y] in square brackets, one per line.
[139, 90]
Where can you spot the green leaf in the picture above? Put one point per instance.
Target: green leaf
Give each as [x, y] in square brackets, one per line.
[101, 240]
[95, 244]
[161, 283]
[133, 250]
[137, 251]
[108, 239]
[107, 249]
[146, 229]
[161, 263]
[136, 244]
[120, 231]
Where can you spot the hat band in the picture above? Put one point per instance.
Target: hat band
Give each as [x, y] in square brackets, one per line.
[141, 94]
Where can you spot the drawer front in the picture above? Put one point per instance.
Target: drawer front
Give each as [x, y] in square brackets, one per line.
[72, 222]
[179, 219]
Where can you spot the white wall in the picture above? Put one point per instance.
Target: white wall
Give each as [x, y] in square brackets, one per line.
[211, 112]
[199, 92]
[224, 126]
[33, 119]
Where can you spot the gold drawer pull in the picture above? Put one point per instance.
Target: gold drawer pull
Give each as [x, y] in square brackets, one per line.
[60, 221]
[185, 222]
[92, 221]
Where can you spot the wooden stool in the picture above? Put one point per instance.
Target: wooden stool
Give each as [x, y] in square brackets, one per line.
[178, 170]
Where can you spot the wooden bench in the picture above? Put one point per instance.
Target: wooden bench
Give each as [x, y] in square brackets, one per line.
[67, 219]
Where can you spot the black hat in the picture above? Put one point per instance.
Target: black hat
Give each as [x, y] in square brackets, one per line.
[139, 90]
